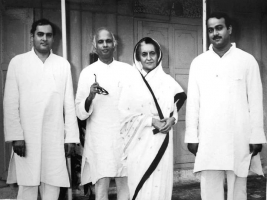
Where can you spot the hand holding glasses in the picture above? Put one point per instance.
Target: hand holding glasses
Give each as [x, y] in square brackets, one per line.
[101, 90]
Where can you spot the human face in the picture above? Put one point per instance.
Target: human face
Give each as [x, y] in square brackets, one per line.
[104, 46]
[43, 39]
[218, 33]
[148, 56]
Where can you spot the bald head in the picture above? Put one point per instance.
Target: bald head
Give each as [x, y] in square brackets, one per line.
[104, 44]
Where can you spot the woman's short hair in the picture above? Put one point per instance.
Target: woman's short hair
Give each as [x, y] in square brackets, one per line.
[42, 22]
[147, 40]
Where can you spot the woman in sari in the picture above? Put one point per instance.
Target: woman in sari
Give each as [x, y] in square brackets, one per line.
[149, 105]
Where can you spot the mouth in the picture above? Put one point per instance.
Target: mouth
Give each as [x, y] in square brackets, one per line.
[217, 39]
[105, 51]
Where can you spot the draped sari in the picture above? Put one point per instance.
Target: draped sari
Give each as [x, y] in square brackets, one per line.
[141, 145]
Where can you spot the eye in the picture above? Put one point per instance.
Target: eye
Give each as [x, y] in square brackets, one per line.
[100, 41]
[152, 53]
[49, 35]
[109, 41]
[40, 34]
[144, 54]
[219, 28]
[210, 30]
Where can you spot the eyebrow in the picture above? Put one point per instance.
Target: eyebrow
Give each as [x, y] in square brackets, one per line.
[45, 32]
[215, 26]
[105, 39]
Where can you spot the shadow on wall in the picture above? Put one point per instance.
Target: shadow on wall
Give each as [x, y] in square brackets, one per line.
[120, 46]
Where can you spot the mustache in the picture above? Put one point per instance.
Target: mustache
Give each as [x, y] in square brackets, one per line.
[216, 37]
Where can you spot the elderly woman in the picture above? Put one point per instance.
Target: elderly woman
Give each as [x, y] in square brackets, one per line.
[149, 105]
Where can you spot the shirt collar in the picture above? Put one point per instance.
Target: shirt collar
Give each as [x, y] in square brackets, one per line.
[33, 52]
[105, 63]
[229, 50]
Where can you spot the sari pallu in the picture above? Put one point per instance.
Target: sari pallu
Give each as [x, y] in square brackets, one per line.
[141, 145]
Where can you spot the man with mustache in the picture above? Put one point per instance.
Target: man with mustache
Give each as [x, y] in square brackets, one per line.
[224, 116]
[97, 102]
[39, 117]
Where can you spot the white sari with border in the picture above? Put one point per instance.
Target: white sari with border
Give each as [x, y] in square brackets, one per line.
[140, 144]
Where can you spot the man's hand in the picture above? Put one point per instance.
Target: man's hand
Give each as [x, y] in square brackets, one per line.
[169, 122]
[93, 90]
[255, 149]
[19, 147]
[69, 149]
[91, 96]
[193, 147]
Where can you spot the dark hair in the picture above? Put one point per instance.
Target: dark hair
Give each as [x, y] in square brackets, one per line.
[147, 40]
[220, 15]
[42, 22]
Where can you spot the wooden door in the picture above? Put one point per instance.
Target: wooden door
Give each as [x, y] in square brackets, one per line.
[15, 39]
[180, 45]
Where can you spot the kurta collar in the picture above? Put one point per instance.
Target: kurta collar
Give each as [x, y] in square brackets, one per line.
[231, 49]
[105, 63]
[34, 54]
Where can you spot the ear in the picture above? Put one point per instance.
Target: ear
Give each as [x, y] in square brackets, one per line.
[230, 30]
[31, 39]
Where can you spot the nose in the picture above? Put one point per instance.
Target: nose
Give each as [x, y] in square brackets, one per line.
[105, 43]
[44, 37]
[215, 32]
[148, 56]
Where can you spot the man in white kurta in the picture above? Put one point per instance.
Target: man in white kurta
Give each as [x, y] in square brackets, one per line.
[39, 117]
[103, 144]
[224, 117]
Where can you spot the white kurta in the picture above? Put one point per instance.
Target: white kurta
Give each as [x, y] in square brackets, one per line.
[39, 108]
[140, 144]
[224, 111]
[103, 145]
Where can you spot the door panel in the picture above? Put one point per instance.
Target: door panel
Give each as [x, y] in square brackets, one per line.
[15, 39]
[180, 45]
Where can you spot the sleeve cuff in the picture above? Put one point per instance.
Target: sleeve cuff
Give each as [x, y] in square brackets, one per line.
[191, 137]
[72, 140]
[82, 112]
[257, 136]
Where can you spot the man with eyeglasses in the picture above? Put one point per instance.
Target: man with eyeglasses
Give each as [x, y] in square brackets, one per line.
[96, 102]
[224, 114]
[39, 117]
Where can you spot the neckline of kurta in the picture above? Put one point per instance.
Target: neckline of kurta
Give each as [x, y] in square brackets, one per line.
[46, 60]
[105, 63]
[226, 53]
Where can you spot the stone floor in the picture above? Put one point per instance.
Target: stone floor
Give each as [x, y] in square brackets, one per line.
[256, 189]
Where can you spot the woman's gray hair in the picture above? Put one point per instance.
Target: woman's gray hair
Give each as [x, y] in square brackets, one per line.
[97, 32]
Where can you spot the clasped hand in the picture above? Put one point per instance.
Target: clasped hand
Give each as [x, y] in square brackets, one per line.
[163, 125]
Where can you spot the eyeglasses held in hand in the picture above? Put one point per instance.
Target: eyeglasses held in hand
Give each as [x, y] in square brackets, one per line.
[101, 90]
